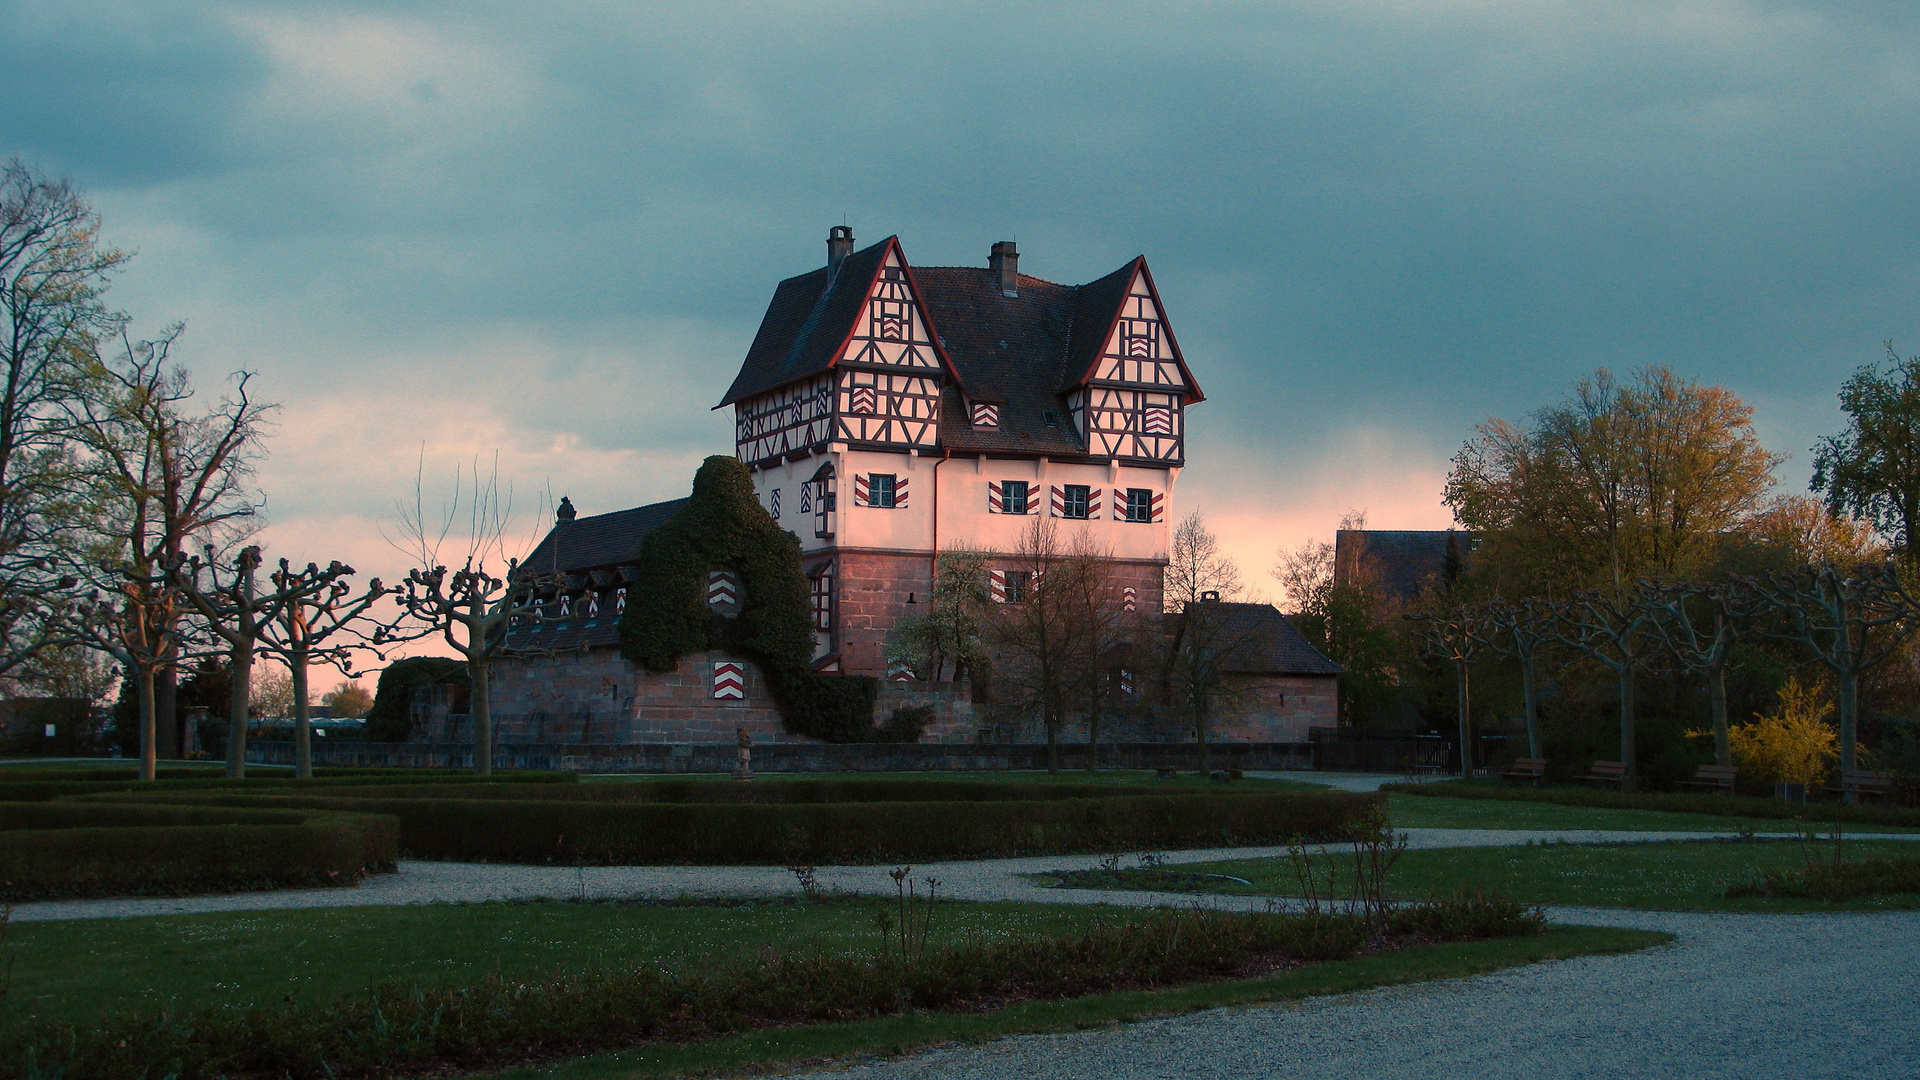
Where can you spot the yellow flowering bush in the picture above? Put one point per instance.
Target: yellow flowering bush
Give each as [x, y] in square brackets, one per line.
[1794, 744]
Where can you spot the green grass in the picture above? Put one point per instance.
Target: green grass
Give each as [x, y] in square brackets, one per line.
[817, 1043]
[1100, 778]
[1439, 812]
[1686, 875]
[74, 970]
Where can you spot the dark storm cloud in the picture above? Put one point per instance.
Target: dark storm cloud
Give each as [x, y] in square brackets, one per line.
[1390, 217]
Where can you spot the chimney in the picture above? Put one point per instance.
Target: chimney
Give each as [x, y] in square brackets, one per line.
[839, 246]
[1004, 264]
[564, 514]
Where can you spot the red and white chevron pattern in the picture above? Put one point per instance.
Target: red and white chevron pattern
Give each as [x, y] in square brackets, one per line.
[1059, 501]
[986, 415]
[1158, 421]
[899, 671]
[1159, 505]
[723, 588]
[900, 492]
[994, 505]
[860, 489]
[864, 399]
[1129, 598]
[620, 602]
[729, 680]
[997, 585]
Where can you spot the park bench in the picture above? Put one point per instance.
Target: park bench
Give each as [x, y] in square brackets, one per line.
[1532, 769]
[1713, 777]
[1607, 772]
[1862, 782]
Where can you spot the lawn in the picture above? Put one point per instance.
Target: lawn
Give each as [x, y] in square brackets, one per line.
[1687, 875]
[1439, 812]
[76, 969]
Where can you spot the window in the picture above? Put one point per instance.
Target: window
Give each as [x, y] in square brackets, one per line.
[1139, 504]
[1013, 496]
[822, 587]
[1074, 501]
[1017, 585]
[774, 504]
[880, 489]
[985, 415]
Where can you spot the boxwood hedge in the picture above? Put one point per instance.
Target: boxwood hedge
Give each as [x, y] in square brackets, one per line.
[1671, 802]
[481, 824]
[52, 784]
[58, 850]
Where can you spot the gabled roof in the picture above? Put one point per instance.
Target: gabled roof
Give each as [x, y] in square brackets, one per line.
[810, 319]
[601, 542]
[1258, 640]
[1021, 352]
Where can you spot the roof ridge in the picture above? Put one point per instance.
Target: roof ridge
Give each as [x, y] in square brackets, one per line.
[985, 270]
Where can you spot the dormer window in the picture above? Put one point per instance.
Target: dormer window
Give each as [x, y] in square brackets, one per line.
[985, 415]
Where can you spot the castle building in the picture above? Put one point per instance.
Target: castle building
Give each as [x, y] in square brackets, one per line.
[889, 412]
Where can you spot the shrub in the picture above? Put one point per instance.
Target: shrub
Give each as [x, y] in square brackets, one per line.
[1468, 916]
[1671, 802]
[938, 825]
[1793, 744]
[391, 717]
[59, 850]
[405, 1029]
[1836, 882]
[906, 725]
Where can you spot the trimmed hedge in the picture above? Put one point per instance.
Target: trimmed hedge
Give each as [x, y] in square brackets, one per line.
[63, 850]
[599, 832]
[12, 790]
[1671, 802]
[776, 791]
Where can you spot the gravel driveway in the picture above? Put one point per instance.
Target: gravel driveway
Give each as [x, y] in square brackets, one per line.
[1737, 996]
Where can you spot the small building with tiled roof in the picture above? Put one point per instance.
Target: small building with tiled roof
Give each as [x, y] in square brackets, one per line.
[1275, 684]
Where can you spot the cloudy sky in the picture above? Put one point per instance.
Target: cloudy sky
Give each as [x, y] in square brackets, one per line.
[546, 231]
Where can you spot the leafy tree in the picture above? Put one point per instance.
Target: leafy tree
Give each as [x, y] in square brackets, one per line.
[390, 719]
[947, 636]
[1872, 470]
[348, 698]
[724, 527]
[1349, 623]
[1614, 484]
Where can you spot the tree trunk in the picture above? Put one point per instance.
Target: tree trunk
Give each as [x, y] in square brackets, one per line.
[169, 732]
[482, 719]
[1053, 740]
[1200, 737]
[1466, 725]
[1849, 721]
[1627, 749]
[1532, 708]
[239, 703]
[1093, 723]
[302, 716]
[1717, 703]
[148, 723]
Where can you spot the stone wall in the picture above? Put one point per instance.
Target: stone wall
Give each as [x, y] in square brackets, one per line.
[1278, 708]
[872, 590]
[595, 697]
[789, 757]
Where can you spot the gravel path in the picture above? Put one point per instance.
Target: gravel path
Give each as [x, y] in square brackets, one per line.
[1737, 996]
[992, 879]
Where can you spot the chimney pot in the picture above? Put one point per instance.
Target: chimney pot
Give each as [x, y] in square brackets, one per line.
[1004, 264]
[839, 246]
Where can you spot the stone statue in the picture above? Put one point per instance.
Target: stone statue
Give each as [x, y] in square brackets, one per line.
[743, 762]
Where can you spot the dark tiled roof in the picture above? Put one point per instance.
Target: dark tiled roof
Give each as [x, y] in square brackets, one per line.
[1009, 349]
[600, 542]
[807, 321]
[1260, 641]
[1023, 352]
[1400, 562]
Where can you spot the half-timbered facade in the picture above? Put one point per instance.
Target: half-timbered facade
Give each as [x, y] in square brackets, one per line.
[889, 411]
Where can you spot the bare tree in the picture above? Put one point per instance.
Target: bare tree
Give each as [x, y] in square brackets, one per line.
[1851, 618]
[471, 607]
[159, 476]
[1519, 632]
[235, 611]
[1198, 664]
[1459, 637]
[1617, 634]
[1039, 631]
[321, 606]
[1196, 566]
[1105, 629]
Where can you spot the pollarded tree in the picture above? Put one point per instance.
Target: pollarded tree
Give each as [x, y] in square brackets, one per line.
[1872, 470]
[1618, 635]
[321, 607]
[1852, 619]
[1696, 625]
[1459, 637]
[1520, 632]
